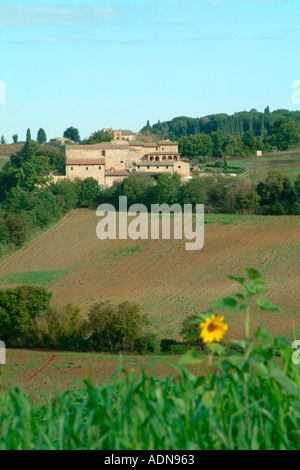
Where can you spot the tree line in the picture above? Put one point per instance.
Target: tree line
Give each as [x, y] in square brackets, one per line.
[237, 124]
[28, 319]
[277, 195]
[284, 133]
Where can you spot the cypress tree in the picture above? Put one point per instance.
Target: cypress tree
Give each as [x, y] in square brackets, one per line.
[28, 136]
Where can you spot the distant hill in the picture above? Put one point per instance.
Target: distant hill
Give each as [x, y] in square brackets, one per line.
[6, 150]
[236, 124]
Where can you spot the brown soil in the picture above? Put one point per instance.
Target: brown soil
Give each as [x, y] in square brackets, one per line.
[168, 282]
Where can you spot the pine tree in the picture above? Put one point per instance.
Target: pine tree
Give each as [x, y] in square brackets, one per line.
[41, 136]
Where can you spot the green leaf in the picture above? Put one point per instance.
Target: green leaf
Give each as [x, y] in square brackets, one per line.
[216, 348]
[240, 344]
[189, 358]
[199, 382]
[253, 273]
[226, 304]
[196, 321]
[284, 381]
[240, 280]
[264, 337]
[240, 296]
[264, 304]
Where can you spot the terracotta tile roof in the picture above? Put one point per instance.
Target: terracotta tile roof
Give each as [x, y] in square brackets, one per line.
[102, 146]
[128, 133]
[85, 161]
[117, 173]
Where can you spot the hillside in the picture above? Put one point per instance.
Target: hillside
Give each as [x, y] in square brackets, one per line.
[168, 282]
[235, 124]
[288, 162]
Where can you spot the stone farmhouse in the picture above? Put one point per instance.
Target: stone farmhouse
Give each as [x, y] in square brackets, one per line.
[113, 161]
[121, 134]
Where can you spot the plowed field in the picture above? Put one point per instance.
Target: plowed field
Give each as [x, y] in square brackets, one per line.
[168, 282]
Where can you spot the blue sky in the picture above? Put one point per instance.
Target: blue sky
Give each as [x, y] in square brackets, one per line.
[114, 63]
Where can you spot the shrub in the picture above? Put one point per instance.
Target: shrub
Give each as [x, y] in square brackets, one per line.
[62, 329]
[89, 191]
[179, 348]
[145, 344]
[19, 309]
[189, 333]
[165, 345]
[113, 328]
[17, 228]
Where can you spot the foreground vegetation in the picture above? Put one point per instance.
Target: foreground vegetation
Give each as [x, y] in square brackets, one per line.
[246, 400]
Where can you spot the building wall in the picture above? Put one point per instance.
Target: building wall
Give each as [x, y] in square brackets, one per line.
[182, 168]
[156, 169]
[86, 171]
[109, 180]
[119, 155]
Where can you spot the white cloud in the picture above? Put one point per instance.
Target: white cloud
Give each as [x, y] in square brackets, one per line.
[17, 16]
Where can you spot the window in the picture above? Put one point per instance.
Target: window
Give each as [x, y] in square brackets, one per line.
[71, 168]
[148, 167]
[99, 167]
[103, 153]
[138, 167]
[87, 168]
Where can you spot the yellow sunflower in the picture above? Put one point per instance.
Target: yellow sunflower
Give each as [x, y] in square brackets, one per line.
[213, 329]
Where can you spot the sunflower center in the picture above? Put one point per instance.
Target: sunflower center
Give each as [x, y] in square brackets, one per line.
[211, 327]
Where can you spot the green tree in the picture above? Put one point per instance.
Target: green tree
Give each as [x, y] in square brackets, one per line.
[28, 136]
[15, 138]
[41, 136]
[190, 336]
[19, 309]
[34, 173]
[98, 137]
[3, 140]
[89, 191]
[194, 192]
[166, 190]
[194, 146]
[115, 328]
[17, 228]
[247, 197]
[73, 134]
[277, 194]
[285, 132]
[67, 194]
